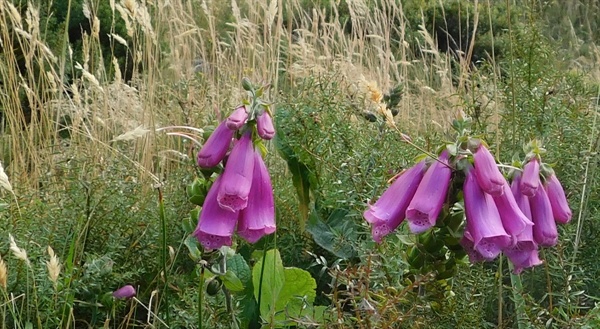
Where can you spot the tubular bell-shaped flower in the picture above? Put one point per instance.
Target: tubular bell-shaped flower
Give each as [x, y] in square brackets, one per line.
[237, 176]
[513, 219]
[483, 220]
[215, 147]
[469, 246]
[530, 181]
[264, 126]
[525, 252]
[215, 225]
[124, 292]
[489, 178]
[423, 210]
[258, 218]
[389, 211]
[558, 200]
[237, 118]
[544, 230]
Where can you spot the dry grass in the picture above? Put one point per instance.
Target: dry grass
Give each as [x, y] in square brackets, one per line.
[272, 41]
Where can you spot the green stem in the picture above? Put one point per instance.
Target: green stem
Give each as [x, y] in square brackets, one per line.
[517, 292]
[164, 251]
[200, 295]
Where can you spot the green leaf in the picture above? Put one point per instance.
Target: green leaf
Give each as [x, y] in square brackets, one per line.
[240, 268]
[336, 234]
[268, 285]
[232, 282]
[192, 245]
[297, 293]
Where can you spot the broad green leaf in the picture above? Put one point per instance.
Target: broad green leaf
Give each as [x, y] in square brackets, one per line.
[268, 285]
[297, 294]
[336, 235]
[232, 282]
[240, 268]
[192, 245]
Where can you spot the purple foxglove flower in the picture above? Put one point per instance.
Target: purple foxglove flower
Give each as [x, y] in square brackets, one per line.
[124, 292]
[237, 176]
[525, 252]
[423, 210]
[530, 181]
[513, 219]
[215, 147]
[483, 220]
[558, 200]
[544, 230]
[215, 225]
[389, 211]
[238, 118]
[469, 246]
[258, 218]
[264, 126]
[521, 199]
[489, 178]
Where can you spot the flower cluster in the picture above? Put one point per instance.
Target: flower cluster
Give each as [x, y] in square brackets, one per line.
[242, 196]
[515, 219]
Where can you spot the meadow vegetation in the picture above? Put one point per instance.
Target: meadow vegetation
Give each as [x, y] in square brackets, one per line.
[105, 104]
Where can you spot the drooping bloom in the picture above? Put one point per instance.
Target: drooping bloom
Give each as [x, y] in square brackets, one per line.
[544, 230]
[489, 178]
[124, 292]
[258, 218]
[215, 224]
[237, 118]
[524, 254]
[530, 181]
[389, 211]
[513, 219]
[264, 126]
[520, 198]
[423, 210]
[558, 200]
[237, 176]
[215, 147]
[469, 246]
[483, 220]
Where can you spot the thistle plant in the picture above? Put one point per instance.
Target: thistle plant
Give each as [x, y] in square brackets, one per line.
[514, 212]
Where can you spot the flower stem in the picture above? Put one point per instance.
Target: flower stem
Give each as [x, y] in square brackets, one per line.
[200, 295]
[517, 292]
[164, 251]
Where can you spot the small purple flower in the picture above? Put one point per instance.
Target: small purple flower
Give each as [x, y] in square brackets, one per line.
[423, 210]
[237, 176]
[558, 200]
[215, 225]
[513, 219]
[483, 220]
[124, 292]
[489, 178]
[389, 211]
[258, 218]
[215, 147]
[544, 230]
[531, 177]
[238, 118]
[264, 126]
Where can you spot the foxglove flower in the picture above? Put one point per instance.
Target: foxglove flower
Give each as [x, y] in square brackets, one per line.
[237, 176]
[238, 118]
[215, 147]
[258, 218]
[544, 230]
[525, 252]
[531, 178]
[469, 246]
[513, 219]
[215, 224]
[558, 200]
[489, 177]
[264, 126]
[520, 198]
[423, 210]
[389, 211]
[483, 220]
[124, 292]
